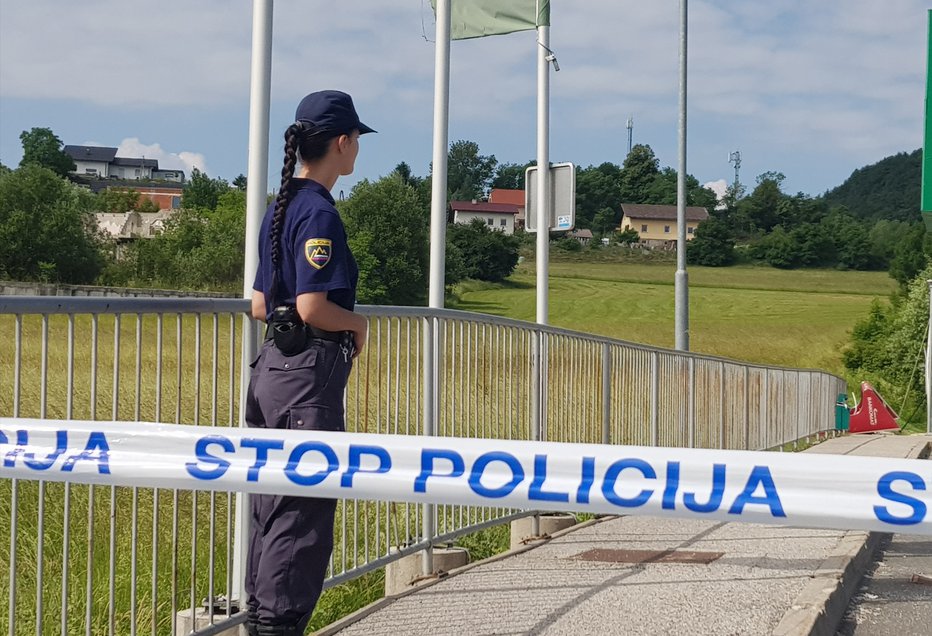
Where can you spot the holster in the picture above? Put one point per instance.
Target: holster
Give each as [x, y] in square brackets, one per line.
[288, 331]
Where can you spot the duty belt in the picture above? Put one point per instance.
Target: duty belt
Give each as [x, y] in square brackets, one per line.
[322, 334]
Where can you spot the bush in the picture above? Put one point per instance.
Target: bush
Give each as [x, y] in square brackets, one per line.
[388, 233]
[47, 228]
[568, 244]
[713, 244]
[485, 254]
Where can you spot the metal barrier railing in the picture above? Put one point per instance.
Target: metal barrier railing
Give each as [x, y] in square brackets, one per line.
[102, 560]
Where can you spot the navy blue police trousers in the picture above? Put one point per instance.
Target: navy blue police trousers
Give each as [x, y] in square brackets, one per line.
[291, 538]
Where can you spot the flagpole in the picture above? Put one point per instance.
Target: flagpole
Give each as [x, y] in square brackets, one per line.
[260, 95]
[438, 231]
[681, 279]
[539, 364]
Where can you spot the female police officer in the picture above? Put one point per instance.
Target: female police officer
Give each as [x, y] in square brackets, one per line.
[305, 289]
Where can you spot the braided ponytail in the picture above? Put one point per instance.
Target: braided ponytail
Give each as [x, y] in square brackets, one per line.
[292, 136]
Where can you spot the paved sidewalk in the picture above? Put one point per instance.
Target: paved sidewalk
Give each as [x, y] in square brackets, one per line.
[769, 580]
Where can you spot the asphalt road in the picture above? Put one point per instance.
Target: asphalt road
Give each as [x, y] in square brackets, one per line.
[889, 602]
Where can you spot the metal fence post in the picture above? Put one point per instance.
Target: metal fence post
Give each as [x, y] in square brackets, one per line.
[654, 399]
[428, 528]
[691, 405]
[606, 393]
[537, 401]
[747, 408]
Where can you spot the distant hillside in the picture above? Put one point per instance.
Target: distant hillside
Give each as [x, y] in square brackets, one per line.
[888, 189]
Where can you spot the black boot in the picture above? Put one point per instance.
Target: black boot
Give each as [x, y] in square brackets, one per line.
[252, 622]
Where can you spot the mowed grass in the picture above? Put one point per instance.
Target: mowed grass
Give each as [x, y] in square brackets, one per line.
[756, 314]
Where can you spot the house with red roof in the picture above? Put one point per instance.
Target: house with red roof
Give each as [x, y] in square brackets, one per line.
[513, 197]
[498, 216]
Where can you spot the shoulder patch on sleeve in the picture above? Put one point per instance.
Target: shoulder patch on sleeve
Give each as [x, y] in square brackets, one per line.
[317, 251]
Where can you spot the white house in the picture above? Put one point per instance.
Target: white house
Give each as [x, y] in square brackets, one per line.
[92, 161]
[128, 168]
[100, 162]
[498, 216]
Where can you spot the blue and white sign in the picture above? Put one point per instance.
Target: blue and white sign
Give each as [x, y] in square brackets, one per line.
[821, 491]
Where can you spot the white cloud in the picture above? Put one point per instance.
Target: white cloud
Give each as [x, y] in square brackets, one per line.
[719, 187]
[184, 160]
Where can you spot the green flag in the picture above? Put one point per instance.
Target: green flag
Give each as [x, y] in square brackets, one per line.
[479, 18]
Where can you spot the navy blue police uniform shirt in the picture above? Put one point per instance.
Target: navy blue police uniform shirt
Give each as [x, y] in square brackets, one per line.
[315, 253]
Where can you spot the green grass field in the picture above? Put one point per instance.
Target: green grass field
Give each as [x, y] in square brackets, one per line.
[757, 314]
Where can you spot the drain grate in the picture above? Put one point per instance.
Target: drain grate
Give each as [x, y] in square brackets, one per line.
[648, 556]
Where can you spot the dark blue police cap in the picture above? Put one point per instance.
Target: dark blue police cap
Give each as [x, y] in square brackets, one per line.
[331, 111]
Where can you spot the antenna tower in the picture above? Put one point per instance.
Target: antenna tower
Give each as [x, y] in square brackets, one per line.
[630, 127]
[735, 158]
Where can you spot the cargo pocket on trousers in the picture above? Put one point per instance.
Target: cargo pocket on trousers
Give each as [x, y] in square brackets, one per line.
[314, 417]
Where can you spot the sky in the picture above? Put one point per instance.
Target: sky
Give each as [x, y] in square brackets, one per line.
[810, 88]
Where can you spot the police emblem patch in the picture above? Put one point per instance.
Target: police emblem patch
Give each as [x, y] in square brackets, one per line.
[317, 251]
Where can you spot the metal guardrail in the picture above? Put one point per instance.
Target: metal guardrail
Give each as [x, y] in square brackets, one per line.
[101, 560]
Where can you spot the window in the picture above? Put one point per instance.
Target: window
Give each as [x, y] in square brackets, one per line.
[666, 229]
[176, 203]
[689, 230]
[504, 223]
[491, 221]
[90, 171]
[643, 228]
[138, 172]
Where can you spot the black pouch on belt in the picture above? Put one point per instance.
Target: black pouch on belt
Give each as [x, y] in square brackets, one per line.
[288, 330]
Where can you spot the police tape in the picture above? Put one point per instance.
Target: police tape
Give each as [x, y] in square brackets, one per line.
[819, 491]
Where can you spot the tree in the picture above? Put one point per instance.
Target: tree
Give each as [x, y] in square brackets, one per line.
[487, 254]
[468, 173]
[909, 257]
[628, 236]
[47, 229]
[663, 191]
[240, 182]
[712, 244]
[888, 344]
[388, 233]
[597, 188]
[888, 189]
[761, 208]
[604, 221]
[510, 176]
[885, 236]
[852, 242]
[147, 205]
[203, 192]
[41, 147]
[779, 249]
[118, 200]
[638, 173]
[199, 248]
[404, 174]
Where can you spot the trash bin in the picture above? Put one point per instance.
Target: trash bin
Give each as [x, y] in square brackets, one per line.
[842, 414]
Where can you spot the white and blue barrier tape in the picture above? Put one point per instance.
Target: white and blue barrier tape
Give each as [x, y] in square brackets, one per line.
[818, 491]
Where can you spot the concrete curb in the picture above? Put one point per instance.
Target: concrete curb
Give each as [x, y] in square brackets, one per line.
[820, 607]
[363, 612]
